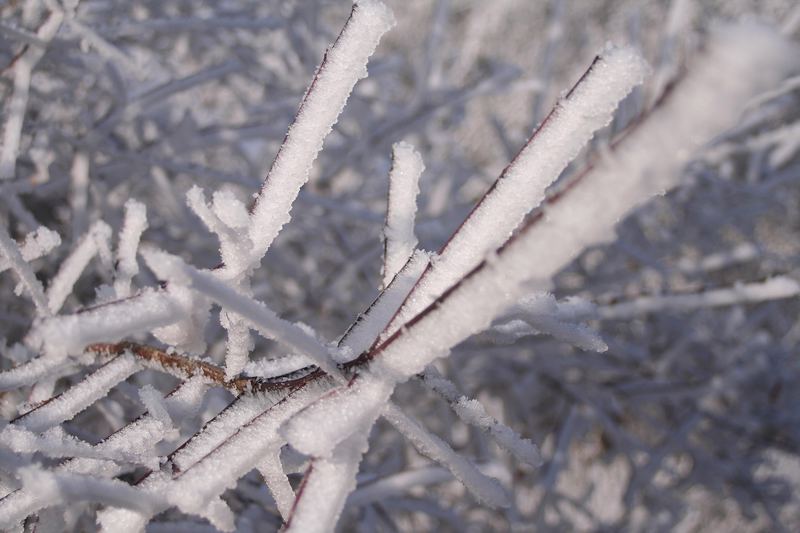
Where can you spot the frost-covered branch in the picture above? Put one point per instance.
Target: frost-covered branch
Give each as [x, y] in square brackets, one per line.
[470, 411]
[18, 103]
[603, 196]
[80, 396]
[398, 233]
[37, 244]
[95, 242]
[343, 65]
[259, 316]
[14, 258]
[487, 490]
[185, 367]
[775, 288]
[132, 229]
[541, 314]
[586, 108]
[64, 335]
[193, 394]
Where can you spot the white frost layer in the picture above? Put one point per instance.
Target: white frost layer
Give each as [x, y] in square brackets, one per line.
[95, 240]
[28, 373]
[132, 229]
[10, 250]
[64, 488]
[37, 244]
[334, 429]
[485, 489]
[578, 335]
[140, 436]
[267, 368]
[375, 319]
[155, 405]
[587, 213]
[136, 438]
[230, 210]
[69, 334]
[80, 396]
[259, 315]
[772, 289]
[236, 456]
[398, 234]
[240, 344]
[240, 413]
[223, 219]
[646, 163]
[544, 303]
[541, 314]
[326, 486]
[56, 443]
[589, 107]
[331, 478]
[187, 334]
[472, 412]
[232, 444]
[327, 422]
[344, 64]
[278, 484]
[15, 106]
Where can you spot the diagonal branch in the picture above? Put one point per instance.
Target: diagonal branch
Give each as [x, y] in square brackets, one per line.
[343, 65]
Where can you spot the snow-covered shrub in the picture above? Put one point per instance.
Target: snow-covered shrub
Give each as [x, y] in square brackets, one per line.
[180, 355]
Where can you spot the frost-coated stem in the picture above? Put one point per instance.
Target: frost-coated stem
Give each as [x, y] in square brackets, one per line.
[541, 314]
[64, 335]
[484, 488]
[583, 214]
[37, 244]
[271, 470]
[772, 289]
[217, 464]
[97, 238]
[343, 65]
[28, 373]
[260, 317]
[371, 322]
[227, 217]
[79, 396]
[470, 411]
[240, 343]
[331, 476]
[67, 488]
[325, 487]
[17, 104]
[588, 107]
[132, 229]
[27, 278]
[398, 234]
[128, 440]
